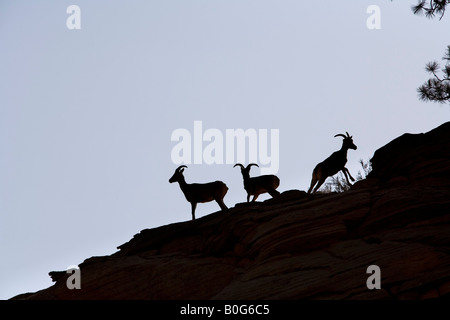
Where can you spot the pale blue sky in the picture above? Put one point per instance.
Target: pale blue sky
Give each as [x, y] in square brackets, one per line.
[86, 116]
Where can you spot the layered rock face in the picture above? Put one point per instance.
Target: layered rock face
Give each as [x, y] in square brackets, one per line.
[298, 246]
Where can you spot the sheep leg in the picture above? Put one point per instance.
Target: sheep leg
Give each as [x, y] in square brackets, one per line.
[273, 192]
[351, 178]
[345, 171]
[193, 205]
[313, 181]
[254, 197]
[345, 175]
[321, 181]
[221, 204]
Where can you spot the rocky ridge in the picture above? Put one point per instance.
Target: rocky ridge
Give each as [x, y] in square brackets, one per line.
[298, 246]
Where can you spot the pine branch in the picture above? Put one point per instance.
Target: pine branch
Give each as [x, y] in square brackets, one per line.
[433, 8]
[437, 89]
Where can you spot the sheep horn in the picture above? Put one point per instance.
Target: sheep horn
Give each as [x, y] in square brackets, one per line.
[240, 165]
[180, 167]
[340, 135]
[252, 164]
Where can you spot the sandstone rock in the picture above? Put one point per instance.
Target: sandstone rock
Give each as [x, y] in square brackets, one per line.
[298, 246]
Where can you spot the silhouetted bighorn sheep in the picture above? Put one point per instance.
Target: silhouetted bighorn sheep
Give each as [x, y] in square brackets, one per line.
[333, 164]
[258, 185]
[200, 192]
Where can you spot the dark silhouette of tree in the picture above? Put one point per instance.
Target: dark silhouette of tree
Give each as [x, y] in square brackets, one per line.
[437, 88]
[431, 8]
[338, 183]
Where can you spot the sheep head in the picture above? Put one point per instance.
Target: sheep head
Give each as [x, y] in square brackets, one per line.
[245, 170]
[348, 141]
[178, 175]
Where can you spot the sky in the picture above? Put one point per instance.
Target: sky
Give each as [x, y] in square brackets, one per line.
[90, 117]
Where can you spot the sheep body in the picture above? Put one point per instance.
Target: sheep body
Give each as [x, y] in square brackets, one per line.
[260, 184]
[333, 164]
[195, 192]
[200, 192]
